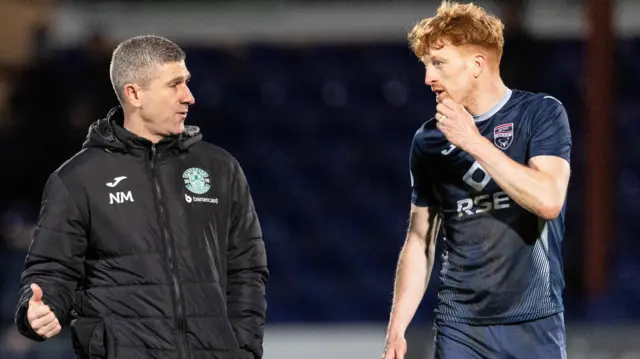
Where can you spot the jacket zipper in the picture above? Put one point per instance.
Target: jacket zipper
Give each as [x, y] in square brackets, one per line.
[170, 245]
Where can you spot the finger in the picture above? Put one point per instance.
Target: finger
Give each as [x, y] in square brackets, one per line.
[37, 293]
[55, 331]
[444, 110]
[43, 321]
[451, 104]
[389, 354]
[50, 327]
[37, 311]
[43, 330]
[442, 118]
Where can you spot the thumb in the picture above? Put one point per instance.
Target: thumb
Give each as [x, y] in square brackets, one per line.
[37, 293]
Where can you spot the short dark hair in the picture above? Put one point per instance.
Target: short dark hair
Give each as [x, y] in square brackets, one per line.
[134, 59]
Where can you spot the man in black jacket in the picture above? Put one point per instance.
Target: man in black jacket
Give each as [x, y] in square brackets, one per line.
[148, 242]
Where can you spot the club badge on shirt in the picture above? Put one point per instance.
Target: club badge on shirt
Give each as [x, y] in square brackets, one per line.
[503, 135]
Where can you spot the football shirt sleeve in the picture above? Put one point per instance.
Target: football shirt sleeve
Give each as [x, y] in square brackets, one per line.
[550, 131]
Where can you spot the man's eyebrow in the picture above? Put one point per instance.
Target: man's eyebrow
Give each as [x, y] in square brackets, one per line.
[180, 78]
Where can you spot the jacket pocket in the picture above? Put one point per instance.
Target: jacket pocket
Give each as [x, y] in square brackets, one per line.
[216, 267]
[210, 255]
[89, 337]
[232, 340]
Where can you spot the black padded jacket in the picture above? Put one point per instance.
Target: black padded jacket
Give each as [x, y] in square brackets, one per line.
[150, 251]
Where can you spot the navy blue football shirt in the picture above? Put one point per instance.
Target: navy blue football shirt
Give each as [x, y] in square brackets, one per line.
[500, 263]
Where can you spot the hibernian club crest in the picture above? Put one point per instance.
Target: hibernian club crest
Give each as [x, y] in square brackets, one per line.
[196, 180]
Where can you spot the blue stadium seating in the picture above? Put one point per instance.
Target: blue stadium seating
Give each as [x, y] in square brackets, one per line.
[323, 134]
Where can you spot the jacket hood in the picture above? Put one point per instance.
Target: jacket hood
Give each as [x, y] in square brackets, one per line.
[109, 134]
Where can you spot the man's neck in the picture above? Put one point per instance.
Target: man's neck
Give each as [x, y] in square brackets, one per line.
[136, 126]
[486, 97]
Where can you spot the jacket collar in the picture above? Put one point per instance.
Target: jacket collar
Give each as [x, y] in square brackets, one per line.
[109, 134]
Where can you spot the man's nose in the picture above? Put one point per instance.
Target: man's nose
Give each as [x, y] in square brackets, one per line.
[188, 97]
[430, 78]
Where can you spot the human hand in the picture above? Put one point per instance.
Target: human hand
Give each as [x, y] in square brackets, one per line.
[41, 319]
[395, 347]
[456, 124]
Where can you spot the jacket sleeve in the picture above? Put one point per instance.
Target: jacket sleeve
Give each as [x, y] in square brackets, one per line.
[55, 258]
[247, 272]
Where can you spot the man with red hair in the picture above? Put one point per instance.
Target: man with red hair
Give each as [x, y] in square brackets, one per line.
[489, 173]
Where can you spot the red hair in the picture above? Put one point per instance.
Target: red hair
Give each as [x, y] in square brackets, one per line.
[458, 25]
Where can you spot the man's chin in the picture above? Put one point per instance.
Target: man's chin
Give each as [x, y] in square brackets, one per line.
[178, 129]
[173, 132]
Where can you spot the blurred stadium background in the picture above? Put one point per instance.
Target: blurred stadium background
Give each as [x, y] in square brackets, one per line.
[319, 101]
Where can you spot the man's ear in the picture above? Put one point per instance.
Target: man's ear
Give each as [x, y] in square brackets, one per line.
[133, 93]
[479, 64]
